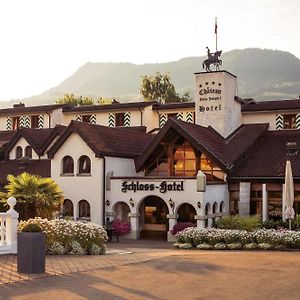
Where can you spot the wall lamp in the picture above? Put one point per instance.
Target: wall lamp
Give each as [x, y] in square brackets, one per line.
[171, 202]
[199, 204]
[131, 202]
[107, 202]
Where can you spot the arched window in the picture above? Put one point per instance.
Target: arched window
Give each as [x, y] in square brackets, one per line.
[186, 213]
[68, 208]
[84, 209]
[19, 152]
[84, 165]
[28, 152]
[67, 165]
[222, 207]
[215, 206]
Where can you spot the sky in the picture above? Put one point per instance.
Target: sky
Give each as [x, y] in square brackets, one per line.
[45, 41]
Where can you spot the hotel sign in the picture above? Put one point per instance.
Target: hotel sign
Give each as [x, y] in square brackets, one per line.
[162, 187]
[210, 97]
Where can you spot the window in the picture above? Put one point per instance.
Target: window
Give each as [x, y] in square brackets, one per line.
[35, 121]
[16, 123]
[19, 152]
[209, 169]
[84, 165]
[289, 121]
[67, 165]
[86, 118]
[68, 208]
[173, 115]
[28, 152]
[184, 161]
[119, 119]
[84, 209]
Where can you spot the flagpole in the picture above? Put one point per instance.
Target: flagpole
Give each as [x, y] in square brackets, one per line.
[216, 33]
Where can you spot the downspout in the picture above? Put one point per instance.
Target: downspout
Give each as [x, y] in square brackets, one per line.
[103, 192]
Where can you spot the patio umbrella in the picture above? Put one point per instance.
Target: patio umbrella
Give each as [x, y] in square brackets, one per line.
[289, 193]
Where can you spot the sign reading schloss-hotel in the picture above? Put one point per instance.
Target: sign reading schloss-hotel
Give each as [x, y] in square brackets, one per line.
[210, 97]
[162, 187]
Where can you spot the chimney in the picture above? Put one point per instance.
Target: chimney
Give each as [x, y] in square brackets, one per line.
[19, 105]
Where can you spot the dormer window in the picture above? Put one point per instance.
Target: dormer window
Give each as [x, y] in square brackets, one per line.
[35, 121]
[19, 152]
[28, 152]
[15, 123]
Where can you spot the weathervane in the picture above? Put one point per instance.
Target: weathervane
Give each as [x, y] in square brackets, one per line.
[213, 58]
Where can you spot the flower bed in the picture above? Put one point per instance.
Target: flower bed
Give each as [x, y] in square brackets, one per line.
[70, 237]
[221, 239]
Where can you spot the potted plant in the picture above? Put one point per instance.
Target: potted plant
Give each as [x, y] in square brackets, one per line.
[31, 250]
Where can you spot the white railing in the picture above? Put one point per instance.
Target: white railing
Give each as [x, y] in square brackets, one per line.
[8, 229]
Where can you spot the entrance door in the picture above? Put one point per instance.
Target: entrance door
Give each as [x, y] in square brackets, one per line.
[153, 218]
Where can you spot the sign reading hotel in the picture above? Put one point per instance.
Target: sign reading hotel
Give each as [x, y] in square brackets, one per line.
[162, 187]
[210, 96]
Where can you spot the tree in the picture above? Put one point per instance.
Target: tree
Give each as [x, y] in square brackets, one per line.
[42, 197]
[75, 100]
[159, 87]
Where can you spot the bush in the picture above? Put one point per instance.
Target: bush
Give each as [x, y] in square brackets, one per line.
[240, 223]
[204, 246]
[69, 235]
[235, 246]
[31, 228]
[181, 226]
[120, 228]
[235, 239]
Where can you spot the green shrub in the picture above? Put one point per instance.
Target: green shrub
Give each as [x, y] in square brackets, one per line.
[236, 222]
[32, 228]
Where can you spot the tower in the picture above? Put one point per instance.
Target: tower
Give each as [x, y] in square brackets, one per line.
[215, 103]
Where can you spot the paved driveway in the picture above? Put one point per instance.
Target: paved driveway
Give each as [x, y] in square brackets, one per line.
[156, 271]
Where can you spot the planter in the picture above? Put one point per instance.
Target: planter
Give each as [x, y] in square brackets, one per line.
[31, 252]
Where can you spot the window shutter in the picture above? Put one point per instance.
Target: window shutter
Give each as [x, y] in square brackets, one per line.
[111, 120]
[279, 122]
[162, 120]
[9, 123]
[127, 119]
[41, 121]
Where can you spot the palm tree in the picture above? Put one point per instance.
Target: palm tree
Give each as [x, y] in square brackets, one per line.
[40, 196]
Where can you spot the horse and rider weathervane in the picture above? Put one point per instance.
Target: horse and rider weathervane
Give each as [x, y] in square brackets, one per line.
[213, 58]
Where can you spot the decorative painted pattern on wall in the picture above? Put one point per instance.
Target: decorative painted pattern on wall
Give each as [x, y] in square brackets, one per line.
[9, 123]
[298, 121]
[41, 121]
[25, 121]
[111, 120]
[127, 119]
[189, 117]
[162, 120]
[279, 122]
[79, 118]
[93, 119]
[179, 116]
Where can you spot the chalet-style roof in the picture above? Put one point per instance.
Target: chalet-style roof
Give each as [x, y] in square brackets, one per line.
[269, 157]
[106, 141]
[159, 106]
[240, 142]
[223, 151]
[38, 139]
[271, 105]
[21, 109]
[107, 107]
[15, 167]
[6, 136]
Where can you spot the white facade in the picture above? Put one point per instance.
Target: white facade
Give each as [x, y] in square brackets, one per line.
[80, 187]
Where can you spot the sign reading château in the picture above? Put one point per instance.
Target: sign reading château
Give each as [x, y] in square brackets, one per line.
[162, 187]
[212, 96]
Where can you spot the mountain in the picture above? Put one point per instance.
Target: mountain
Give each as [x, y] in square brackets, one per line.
[262, 74]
